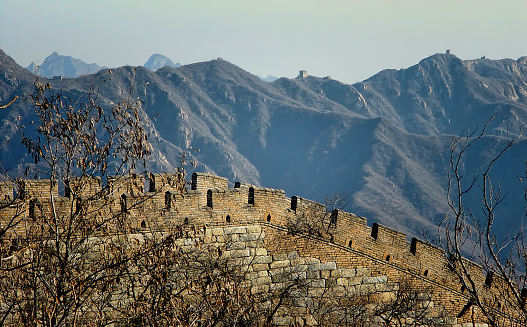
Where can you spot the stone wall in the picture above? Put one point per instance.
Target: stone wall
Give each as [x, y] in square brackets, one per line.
[257, 226]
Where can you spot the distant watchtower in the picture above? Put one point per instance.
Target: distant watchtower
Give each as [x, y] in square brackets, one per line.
[448, 51]
[302, 74]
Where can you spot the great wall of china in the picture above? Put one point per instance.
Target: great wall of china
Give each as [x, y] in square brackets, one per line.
[256, 223]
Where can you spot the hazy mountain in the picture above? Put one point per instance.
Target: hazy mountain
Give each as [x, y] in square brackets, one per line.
[65, 66]
[157, 61]
[384, 142]
[269, 78]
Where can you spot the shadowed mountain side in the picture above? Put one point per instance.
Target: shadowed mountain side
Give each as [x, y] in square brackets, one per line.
[405, 182]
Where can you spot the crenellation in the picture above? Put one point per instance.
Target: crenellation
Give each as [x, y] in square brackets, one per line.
[6, 191]
[38, 188]
[133, 184]
[202, 182]
[82, 186]
[303, 205]
[165, 182]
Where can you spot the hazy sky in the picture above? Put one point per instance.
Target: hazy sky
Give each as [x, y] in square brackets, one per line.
[347, 39]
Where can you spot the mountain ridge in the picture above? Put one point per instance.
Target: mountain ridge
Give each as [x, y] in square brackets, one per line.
[384, 142]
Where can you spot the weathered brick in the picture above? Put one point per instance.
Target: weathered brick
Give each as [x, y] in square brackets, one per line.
[235, 230]
[342, 281]
[236, 246]
[362, 271]
[236, 253]
[283, 321]
[292, 255]
[263, 259]
[298, 261]
[323, 266]
[312, 261]
[248, 237]
[375, 280]
[261, 281]
[280, 257]
[343, 273]
[279, 264]
[217, 231]
[317, 283]
[254, 229]
[260, 266]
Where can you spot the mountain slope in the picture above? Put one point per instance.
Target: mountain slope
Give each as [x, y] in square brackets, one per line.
[384, 142]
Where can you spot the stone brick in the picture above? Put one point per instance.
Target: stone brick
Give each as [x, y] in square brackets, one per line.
[310, 320]
[260, 289]
[338, 273]
[316, 292]
[387, 296]
[362, 271]
[312, 261]
[299, 275]
[235, 230]
[277, 286]
[298, 261]
[243, 261]
[236, 246]
[254, 244]
[283, 321]
[279, 264]
[251, 275]
[254, 229]
[260, 266]
[325, 274]
[317, 283]
[263, 259]
[342, 281]
[262, 273]
[375, 280]
[217, 231]
[365, 289]
[236, 253]
[261, 251]
[313, 274]
[389, 287]
[297, 268]
[280, 257]
[248, 237]
[323, 266]
[292, 255]
[261, 281]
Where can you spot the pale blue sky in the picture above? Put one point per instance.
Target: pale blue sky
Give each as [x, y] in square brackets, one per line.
[347, 39]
